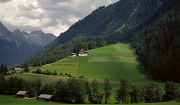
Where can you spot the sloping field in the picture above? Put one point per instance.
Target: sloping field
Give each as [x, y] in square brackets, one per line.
[45, 78]
[66, 65]
[112, 62]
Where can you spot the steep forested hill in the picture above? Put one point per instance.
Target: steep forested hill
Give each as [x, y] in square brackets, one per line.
[158, 46]
[150, 25]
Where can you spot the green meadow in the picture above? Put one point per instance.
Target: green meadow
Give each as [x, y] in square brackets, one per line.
[112, 62]
[11, 100]
[66, 65]
[45, 78]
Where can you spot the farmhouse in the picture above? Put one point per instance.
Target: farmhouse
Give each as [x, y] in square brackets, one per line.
[45, 97]
[22, 94]
[72, 54]
[83, 53]
[18, 70]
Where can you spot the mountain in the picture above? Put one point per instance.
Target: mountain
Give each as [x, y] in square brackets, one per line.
[18, 34]
[35, 38]
[16, 46]
[40, 38]
[151, 26]
[118, 19]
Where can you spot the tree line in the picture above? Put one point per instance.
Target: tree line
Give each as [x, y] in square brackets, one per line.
[148, 93]
[63, 50]
[3, 70]
[78, 90]
[158, 47]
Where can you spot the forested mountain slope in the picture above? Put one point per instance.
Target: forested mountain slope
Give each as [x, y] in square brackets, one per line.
[158, 46]
[150, 25]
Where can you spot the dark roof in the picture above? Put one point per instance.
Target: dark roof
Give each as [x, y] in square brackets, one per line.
[21, 92]
[72, 53]
[83, 52]
[45, 96]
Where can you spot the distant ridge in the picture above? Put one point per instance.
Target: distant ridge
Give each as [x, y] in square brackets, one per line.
[16, 46]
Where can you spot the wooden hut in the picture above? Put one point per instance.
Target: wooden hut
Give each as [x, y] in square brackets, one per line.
[45, 97]
[22, 94]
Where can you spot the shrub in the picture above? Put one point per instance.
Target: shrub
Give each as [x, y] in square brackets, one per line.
[54, 73]
[69, 75]
[48, 72]
[39, 71]
[61, 73]
[171, 91]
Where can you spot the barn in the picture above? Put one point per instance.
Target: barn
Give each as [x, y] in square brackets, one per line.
[83, 53]
[45, 97]
[18, 70]
[22, 94]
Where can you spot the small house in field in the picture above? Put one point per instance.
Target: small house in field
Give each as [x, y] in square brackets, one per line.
[83, 53]
[22, 94]
[72, 54]
[45, 97]
[18, 70]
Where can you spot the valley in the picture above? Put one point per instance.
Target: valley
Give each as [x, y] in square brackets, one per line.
[105, 62]
[112, 62]
[126, 52]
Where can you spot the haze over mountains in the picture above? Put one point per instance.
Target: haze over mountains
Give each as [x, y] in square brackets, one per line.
[16, 46]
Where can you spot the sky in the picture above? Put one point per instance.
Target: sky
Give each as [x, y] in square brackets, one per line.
[50, 16]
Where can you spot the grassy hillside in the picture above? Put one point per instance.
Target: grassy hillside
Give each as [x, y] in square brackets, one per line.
[66, 65]
[45, 78]
[112, 62]
[11, 100]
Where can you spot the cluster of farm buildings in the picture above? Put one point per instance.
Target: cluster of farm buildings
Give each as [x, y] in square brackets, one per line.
[81, 53]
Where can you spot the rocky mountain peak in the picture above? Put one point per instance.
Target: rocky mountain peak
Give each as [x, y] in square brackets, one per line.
[38, 32]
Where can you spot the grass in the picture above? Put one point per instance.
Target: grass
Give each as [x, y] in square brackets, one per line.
[66, 65]
[45, 78]
[112, 62]
[111, 70]
[113, 50]
[11, 100]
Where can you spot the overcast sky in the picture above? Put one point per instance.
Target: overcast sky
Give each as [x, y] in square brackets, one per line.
[50, 16]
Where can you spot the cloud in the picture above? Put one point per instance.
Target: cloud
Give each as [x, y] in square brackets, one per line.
[4, 1]
[51, 16]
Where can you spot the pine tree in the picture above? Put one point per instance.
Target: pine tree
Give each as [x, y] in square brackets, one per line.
[171, 91]
[122, 94]
[107, 90]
